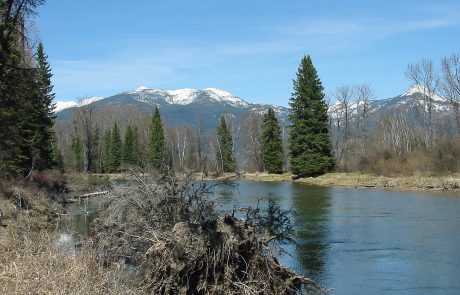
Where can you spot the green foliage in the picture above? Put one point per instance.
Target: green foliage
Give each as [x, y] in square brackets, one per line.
[272, 143]
[95, 153]
[94, 180]
[43, 116]
[26, 112]
[156, 152]
[130, 147]
[107, 152]
[310, 144]
[225, 147]
[115, 148]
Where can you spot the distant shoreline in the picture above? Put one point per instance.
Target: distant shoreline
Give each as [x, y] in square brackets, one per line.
[362, 180]
[351, 180]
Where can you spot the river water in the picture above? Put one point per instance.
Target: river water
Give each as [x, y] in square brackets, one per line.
[354, 241]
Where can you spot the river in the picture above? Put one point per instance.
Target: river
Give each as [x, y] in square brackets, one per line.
[355, 241]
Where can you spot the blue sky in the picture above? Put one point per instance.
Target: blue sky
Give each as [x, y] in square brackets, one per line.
[249, 48]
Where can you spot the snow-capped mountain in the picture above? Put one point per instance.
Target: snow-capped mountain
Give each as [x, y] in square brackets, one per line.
[187, 96]
[181, 106]
[189, 106]
[410, 102]
[61, 105]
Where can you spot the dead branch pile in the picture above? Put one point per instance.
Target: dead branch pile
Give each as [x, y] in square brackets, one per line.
[169, 232]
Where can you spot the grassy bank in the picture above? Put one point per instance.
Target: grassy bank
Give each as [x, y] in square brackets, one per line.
[30, 261]
[360, 180]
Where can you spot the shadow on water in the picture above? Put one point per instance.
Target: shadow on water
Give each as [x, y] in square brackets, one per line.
[313, 208]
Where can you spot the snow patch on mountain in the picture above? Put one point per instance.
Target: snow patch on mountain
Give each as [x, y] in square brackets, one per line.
[418, 89]
[187, 96]
[61, 105]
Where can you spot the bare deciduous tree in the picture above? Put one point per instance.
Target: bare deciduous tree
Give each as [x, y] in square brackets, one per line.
[450, 86]
[424, 76]
[343, 95]
[83, 118]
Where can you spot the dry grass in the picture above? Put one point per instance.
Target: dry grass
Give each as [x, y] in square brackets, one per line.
[30, 262]
[263, 176]
[451, 182]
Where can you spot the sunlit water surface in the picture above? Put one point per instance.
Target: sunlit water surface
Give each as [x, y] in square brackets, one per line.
[355, 241]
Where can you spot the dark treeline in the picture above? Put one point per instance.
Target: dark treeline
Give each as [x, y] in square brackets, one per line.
[97, 142]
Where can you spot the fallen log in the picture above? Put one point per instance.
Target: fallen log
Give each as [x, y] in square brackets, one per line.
[95, 194]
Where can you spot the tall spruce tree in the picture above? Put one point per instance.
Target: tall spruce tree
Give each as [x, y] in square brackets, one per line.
[225, 147]
[130, 147]
[107, 165]
[272, 143]
[43, 118]
[96, 150]
[19, 90]
[116, 148]
[310, 144]
[156, 152]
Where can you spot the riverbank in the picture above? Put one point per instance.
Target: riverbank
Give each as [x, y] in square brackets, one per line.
[353, 180]
[31, 261]
[361, 180]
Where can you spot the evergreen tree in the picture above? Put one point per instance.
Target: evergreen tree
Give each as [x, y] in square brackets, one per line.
[77, 154]
[130, 147]
[107, 152]
[272, 143]
[310, 144]
[95, 153]
[156, 151]
[225, 147]
[18, 91]
[136, 156]
[43, 117]
[116, 148]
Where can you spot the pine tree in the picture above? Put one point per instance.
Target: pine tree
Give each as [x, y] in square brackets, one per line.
[310, 144]
[225, 147]
[43, 108]
[17, 90]
[107, 152]
[116, 148]
[272, 143]
[135, 146]
[95, 153]
[20, 95]
[156, 151]
[130, 147]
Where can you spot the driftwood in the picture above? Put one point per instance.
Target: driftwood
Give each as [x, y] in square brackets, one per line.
[295, 177]
[86, 196]
[95, 194]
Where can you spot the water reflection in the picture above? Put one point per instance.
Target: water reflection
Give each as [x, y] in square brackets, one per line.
[313, 227]
[80, 215]
[355, 241]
